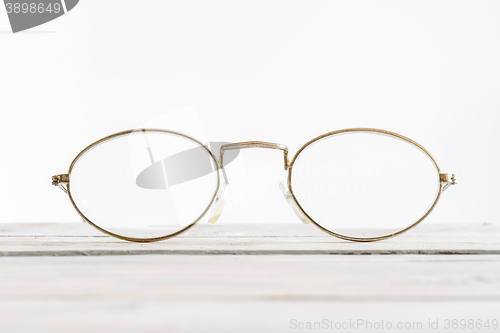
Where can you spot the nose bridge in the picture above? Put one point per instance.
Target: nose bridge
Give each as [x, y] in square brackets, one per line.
[254, 144]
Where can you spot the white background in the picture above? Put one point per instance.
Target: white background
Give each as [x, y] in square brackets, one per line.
[278, 71]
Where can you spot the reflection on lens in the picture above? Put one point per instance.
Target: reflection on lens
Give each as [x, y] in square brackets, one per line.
[144, 184]
[364, 184]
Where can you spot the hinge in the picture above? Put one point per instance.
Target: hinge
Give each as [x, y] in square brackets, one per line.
[447, 180]
[60, 179]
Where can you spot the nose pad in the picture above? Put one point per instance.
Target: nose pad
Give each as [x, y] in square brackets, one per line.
[220, 201]
[293, 204]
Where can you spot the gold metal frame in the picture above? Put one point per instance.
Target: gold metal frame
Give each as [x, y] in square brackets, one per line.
[57, 180]
[445, 180]
[254, 144]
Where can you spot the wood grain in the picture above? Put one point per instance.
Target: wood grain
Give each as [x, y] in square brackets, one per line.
[81, 239]
[70, 278]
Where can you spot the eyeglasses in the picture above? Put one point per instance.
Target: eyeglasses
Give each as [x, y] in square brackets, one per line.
[358, 184]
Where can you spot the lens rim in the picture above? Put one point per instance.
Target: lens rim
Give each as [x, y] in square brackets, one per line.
[133, 239]
[372, 130]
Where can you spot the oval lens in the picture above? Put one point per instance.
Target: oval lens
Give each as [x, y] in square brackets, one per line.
[364, 184]
[144, 184]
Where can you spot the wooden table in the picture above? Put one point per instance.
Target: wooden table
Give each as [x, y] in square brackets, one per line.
[247, 278]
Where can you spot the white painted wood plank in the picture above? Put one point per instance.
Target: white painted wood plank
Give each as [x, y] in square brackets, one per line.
[221, 317]
[253, 278]
[179, 293]
[75, 292]
[81, 239]
[109, 316]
